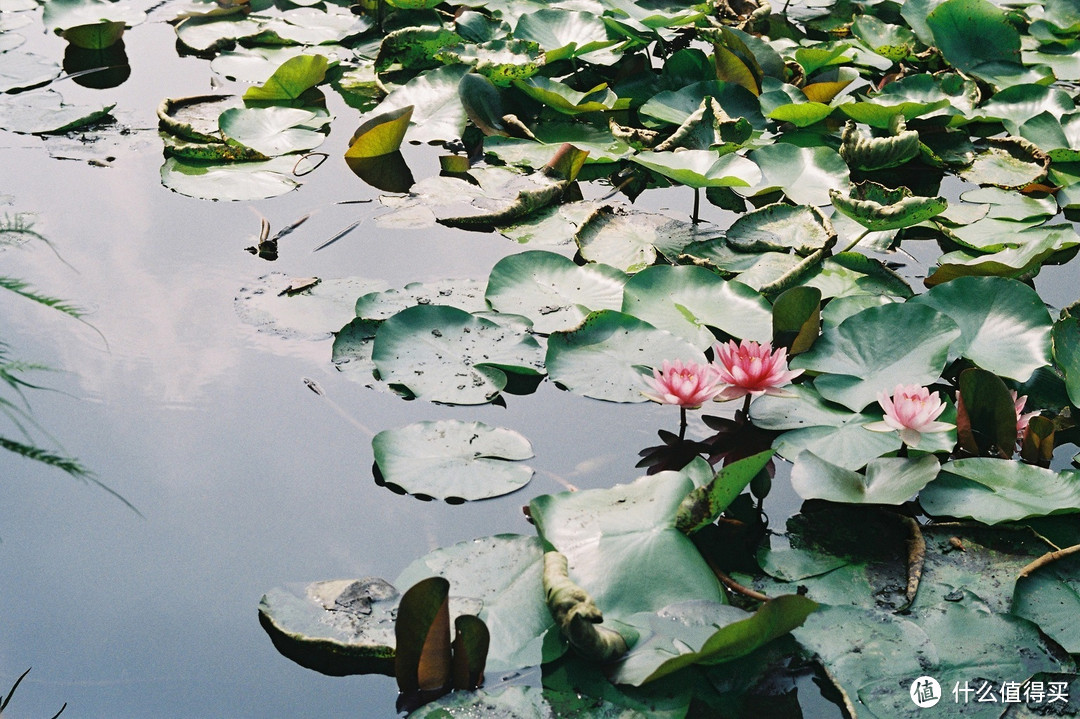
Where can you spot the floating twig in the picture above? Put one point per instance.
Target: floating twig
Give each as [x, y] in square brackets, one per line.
[338, 236]
[1048, 558]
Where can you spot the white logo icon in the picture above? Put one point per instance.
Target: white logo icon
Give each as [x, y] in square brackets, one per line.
[925, 692]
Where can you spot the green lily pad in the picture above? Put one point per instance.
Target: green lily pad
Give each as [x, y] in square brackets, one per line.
[877, 349]
[44, 111]
[551, 290]
[444, 354]
[453, 460]
[1004, 325]
[892, 41]
[564, 99]
[998, 490]
[781, 227]
[1031, 248]
[504, 573]
[1050, 597]
[237, 182]
[294, 77]
[879, 208]
[916, 96]
[701, 168]
[606, 356]
[687, 301]
[675, 106]
[804, 174]
[564, 33]
[888, 480]
[1008, 163]
[437, 111]
[274, 131]
[329, 24]
[632, 241]
[467, 295]
[500, 61]
[622, 546]
[1015, 106]
[704, 632]
[974, 36]
[809, 423]
[205, 34]
[1065, 336]
[90, 24]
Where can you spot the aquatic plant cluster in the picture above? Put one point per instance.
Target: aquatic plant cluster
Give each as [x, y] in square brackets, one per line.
[926, 405]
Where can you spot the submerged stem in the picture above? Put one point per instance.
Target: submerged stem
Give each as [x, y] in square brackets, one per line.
[682, 423]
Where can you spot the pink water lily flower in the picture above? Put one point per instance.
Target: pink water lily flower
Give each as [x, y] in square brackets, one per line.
[911, 411]
[751, 368]
[1022, 418]
[689, 386]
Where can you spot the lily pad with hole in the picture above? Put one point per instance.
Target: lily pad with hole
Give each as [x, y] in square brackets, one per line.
[606, 356]
[444, 354]
[453, 460]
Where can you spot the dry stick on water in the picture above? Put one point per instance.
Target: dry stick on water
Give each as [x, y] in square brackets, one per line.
[916, 555]
[1048, 558]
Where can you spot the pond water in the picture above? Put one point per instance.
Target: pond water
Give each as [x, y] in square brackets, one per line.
[243, 478]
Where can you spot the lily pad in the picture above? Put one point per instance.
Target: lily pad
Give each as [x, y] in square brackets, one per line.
[467, 295]
[504, 574]
[878, 348]
[237, 182]
[564, 33]
[45, 111]
[888, 480]
[632, 241]
[274, 131]
[997, 490]
[453, 460]
[606, 356]
[622, 545]
[687, 301]
[1008, 163]
[309, 308]
[879, 208]
[1004, 325]
[444, 354]
[701, 168]
[294, 77]
[781, 227]
[520, 702]
[804, 174]
[551, 290]
[90, 24]
[437, 111]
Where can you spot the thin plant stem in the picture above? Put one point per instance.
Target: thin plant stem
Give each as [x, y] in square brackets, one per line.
[856, 241]
[697, 205]
[682, 422]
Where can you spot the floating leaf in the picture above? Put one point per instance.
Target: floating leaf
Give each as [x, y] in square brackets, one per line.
[437, 111]
[878, 208]
[453, 460]
[565, 99]
[1066, 343]
[705, 503]
[444, 354]
[701, 168]
[999, 490]
[295, 76]
[336, 627]
[504, 574]
[273, 131]
[26, 69]
[90, 24]
[805, 174]
[1009, 163]
[878, 153]
[1004, 325]
[381, 134]
[877, 349]
[687, 301]
[809, 423]
[888, 480]
[1032, 247]
[623, 547]
[632, 241]
[466, 295]
[521, 702]
[240, 181]
[974, 36]
[564, 33]
[422, 637]
[551, 290]
[44, 111]
[781, 227]
[702, 632]
[314, 313]
[605, 357]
